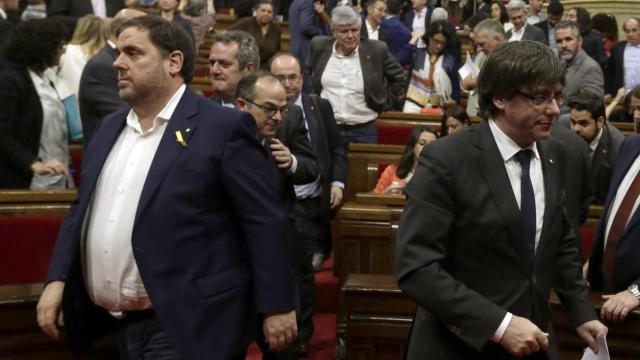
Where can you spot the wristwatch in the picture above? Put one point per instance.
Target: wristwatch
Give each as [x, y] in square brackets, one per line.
[633, 288]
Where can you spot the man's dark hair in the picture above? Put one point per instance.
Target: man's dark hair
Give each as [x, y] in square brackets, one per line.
[167, 37]
[36, 43]
[262, 2]
[476, 19]
[515, 65]
[589, 101]
[408, 156]
[247, 86]
[555, 8]
[456, 112]
[394, 7]
[584, 19]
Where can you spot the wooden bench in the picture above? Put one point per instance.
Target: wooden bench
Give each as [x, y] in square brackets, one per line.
[363, 156]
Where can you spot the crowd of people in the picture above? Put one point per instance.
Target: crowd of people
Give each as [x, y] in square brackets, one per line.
[223, 205]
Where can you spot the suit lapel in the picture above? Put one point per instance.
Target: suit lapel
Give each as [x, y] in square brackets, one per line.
[601, 152]
[493, 171]
[635, 218]
[169, 148]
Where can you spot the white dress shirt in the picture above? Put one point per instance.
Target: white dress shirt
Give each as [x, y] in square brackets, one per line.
[372, 33]
[620, 193]
[112, 276]
[593, 145]
[516, 35]
[343, 85]
[99, 8]
[418, 25]
[508, 149]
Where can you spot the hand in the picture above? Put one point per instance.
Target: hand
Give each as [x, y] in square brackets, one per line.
[57, 167]
[281, 154]
[523, 337]
[318, 7]
[469, 82]
[415, 36]
[589, 330]
[40, 168]
[617, 307]
[280, 330]
[49, 311]
[620, 94]
[336, 196]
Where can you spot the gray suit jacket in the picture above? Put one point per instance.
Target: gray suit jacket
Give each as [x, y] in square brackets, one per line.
[604, 161]
[583, 74]
[459, 255]
[531, 32]
[98, 92]
[381, 72]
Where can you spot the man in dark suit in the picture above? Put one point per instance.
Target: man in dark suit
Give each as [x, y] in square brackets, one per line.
[98, 89]
[282, 130]
[522, 30]
[177, 238]
[554, 15]
[304, 25]
[80, 8]
[484, 237]
[402, 42]
[614, 76]
[588, 120]
[320, 197]
[359, 77]
[614, 265]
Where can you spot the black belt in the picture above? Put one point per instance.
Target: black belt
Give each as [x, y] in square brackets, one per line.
[355, 126]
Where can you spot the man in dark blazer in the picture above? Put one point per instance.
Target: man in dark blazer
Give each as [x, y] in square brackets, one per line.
[423, 11]
[80, 8]
[588, 119]
[402, 42]
[517, 10]
[304, 25]
[375, 78]
[614, 265]
[554, 15]
[321, 196]
[98, 89]
[197, 224]
[484, 237]
[614, 77]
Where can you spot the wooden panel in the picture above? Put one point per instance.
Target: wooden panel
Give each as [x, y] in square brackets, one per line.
[360, 157]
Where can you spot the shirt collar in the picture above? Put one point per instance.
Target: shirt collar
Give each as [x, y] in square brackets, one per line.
[163, 116]
[353, 53]
[112, 44]
[519, 31]
[422, 12]
[37, 80]
[3, 15]
[507, 147]
[594, 143]
[299, 101]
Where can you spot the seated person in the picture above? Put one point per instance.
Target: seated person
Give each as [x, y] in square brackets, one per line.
[434, 75]
[396, 176]
[454, 119]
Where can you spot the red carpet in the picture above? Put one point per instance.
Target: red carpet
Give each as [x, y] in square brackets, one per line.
[323, 341]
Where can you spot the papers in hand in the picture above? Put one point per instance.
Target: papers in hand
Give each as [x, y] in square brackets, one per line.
[603, 350]
[469, 68]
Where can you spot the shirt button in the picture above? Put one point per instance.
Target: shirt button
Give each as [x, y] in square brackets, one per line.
[106, 252]
[112, 220]
[108, 281]
[121, 190]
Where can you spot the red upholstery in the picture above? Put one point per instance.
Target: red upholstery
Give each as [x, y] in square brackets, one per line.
[393, 134]
[587, 238]
[26, 243]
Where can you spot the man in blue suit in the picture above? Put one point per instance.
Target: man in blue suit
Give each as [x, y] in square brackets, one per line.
[304, 24]
[176, 239]
[614, 264]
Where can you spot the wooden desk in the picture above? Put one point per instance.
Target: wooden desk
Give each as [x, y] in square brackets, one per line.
[35, 202]
[363, 160]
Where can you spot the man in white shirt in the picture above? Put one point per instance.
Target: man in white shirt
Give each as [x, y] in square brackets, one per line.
[522, 30]
[177, 239]
[482, 240]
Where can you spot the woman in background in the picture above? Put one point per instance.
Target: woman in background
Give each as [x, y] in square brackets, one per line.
[454, 119]
[607, 26]
[499, 13]
[395, 177]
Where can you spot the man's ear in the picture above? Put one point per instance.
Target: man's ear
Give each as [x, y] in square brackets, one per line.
[241, 104]
[499, 102]
[600, 122]
[251, 67]
[176, 60]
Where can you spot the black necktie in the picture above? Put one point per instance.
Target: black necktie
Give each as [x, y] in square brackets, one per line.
[527, 204]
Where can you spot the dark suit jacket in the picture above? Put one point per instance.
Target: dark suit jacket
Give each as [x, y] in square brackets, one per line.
[208, 238]
[614, 71]
[627, 254]
[593, 45]
[604, 161]
[411, 14]
[20, 126]
[382, 75]
[397, 37]
[79, 8]
[531, 32]
[98, 91]
[458, 253]
[303, 26]
[544, 26]
[327, 145]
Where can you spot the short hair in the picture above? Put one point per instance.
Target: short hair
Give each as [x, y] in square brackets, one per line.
[247, 86]
[606, 24]
[248, 52]
[394, 7]
[442, 27]
[517, 5]
[195, 8]
[583, 19]
[36, 43]
[344, 15]
[91, 34]
[475, 19]
[512, 65]
[408, 157]
[439, 14]
[166, 36]
[281, 54]
[589, 101]
[263, 2]
[555, 8]
[456, 112]
[491, 27]
[624, 24]
[504, 15]
[566, 24]
[371, 3]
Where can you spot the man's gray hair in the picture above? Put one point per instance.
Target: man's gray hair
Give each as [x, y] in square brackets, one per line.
[517, 5]
[345, 15]
[566, 24]
[248, 52]
[491, 28]
[439, 13]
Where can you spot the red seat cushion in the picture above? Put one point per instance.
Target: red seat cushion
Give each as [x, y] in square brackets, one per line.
[393, 135]
[586, 234]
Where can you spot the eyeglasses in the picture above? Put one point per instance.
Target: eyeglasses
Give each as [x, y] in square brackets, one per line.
[541, 99]
[268, 108]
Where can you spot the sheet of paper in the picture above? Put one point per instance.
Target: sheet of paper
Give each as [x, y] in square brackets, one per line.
[468, 68]
[603, 351]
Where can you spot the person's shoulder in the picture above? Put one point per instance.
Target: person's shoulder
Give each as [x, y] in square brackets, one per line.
[322, 41]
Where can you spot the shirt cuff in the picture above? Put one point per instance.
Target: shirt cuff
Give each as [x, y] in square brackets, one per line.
[339, 184]
[294, 164]
[497, 336]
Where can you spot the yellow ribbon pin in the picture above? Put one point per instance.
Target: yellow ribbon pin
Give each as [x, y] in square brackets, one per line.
[180, 139]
